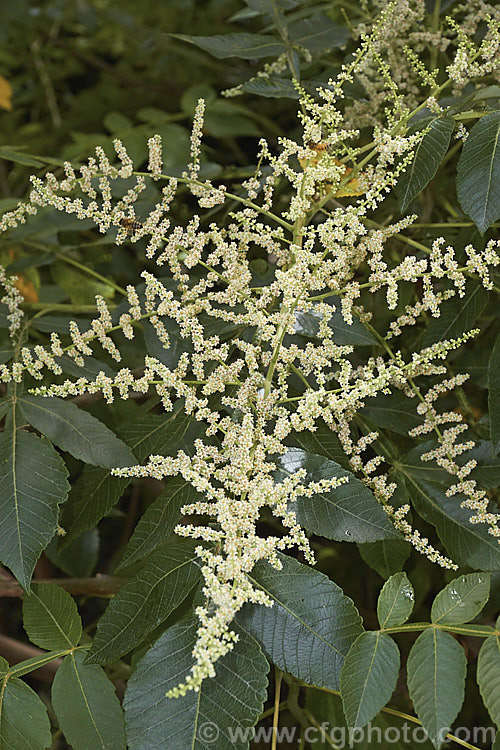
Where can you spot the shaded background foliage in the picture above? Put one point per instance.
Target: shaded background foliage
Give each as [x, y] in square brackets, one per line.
[85, 72]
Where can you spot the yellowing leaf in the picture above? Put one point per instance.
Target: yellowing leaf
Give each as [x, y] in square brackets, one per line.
[26, 288]
[5, 93]
[351, 188]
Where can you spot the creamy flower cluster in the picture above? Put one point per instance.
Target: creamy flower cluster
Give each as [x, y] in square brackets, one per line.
[262, 362]
[450, 448]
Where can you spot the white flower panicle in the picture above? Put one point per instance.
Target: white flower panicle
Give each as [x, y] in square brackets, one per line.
[249, 394]
[12, 299]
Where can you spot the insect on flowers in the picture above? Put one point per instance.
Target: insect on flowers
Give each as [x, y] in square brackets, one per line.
[322, 152]
[130, 225]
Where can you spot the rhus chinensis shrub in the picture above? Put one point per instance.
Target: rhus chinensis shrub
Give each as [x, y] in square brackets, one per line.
[308, 362]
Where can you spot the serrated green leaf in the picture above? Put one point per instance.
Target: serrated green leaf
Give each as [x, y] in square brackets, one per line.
[311, 625]
[488, 675]
[86, 706]
[461, 600]
[457, 315]
[199, 721]
[478, 172]
[368, 677]
[158, 521]
[5, 406]
[323, 441]
[80, 288]
[50, 617]
[317, 32]
[354, 334]
[436, 681]
[348, 513]
[92, 496]
[33, 483]
[75, 431]
[96, 491]
[394, 411]
[6, 354]
[395, 601]
[245, 46]
[145, 602]
[494, 393]
[386, 556]
[10, 153]
[467, 544]
[271, 87]
[272, 6]
[487, 471]
[429, 154]
[24, 723]
[79, 558]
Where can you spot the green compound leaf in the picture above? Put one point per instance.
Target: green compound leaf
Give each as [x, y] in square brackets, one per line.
[85, 702]
[394, 411]
[10, 153]
[466, 543]
[323, 441]
[159, 520]
[218, 716]
[395, 601]
[272, 88]
[494, 393]
[436, 681]
[348, 513]
[355, 334]
[386, 556]
[92, 496]
[96, 490]
[32, 485]
[487, 471]
[24, 723]
[245, 46]
[50, 617]
[461, 600]
[488, 675]
[75, 431]
[311, 625]
[318, 32]
[145, 602]
[368, 677]
[478, 172]
[428, 156]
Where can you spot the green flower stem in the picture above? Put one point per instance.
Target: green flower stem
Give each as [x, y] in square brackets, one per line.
[47, 307]
[300, 376]
[447, 224]
[250, 204]
[368, 284]
[90, 272]
[81, 267]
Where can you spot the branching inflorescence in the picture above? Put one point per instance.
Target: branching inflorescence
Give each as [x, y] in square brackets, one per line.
[322, 267]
